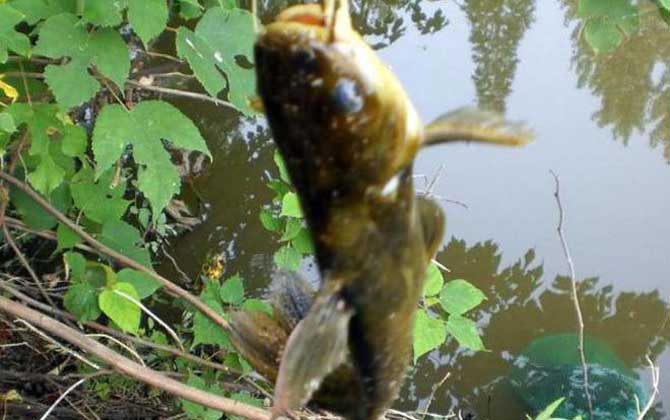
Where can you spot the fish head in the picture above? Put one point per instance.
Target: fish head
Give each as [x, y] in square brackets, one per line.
[338, 114]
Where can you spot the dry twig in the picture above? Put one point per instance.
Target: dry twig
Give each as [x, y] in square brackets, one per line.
[655, 379]
[575, 296]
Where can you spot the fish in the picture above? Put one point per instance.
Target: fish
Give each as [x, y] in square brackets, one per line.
[348, 134]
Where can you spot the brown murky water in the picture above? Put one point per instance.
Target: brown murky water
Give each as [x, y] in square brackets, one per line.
[602, 124]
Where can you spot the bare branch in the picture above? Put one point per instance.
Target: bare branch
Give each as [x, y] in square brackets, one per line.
[120, 258]
[655, 379]
[182, 93]
[575, 296]
[129, 368]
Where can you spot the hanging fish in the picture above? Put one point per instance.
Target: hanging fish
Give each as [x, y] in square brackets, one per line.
[349, 135]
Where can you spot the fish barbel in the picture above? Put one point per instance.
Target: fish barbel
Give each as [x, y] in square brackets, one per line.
[349, 135]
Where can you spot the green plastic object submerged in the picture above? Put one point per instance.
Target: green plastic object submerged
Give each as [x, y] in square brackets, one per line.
[550, 368]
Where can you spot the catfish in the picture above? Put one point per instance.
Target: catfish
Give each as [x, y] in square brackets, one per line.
[348, 134]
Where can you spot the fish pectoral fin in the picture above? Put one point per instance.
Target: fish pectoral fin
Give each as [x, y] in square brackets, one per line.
[474, 125]
[317, 346]
[433, 224]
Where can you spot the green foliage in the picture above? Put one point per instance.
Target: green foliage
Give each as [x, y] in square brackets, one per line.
[10, 39]
[148, 18]
[204, 330]
[145, 127]
[607, 23]
[456, 297]
[118, 302]
[196, 411]
[547, 413]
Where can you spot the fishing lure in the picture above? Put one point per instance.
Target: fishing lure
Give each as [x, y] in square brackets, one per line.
[349, 135]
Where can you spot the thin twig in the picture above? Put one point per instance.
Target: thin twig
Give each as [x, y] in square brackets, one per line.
[120, 258]
[45, 234]
[118, 334]
[63, 395]
[128, 367]
[575, 295]
[26, 264]
[153, 316]
[655, 379]
[432, 394]
[59, 345]
[182, 93]
[122, 345]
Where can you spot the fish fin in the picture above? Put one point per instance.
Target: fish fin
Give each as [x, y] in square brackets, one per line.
[317, 346]
[474, 125]
[291, 297]
[433, 223]
[259, 339]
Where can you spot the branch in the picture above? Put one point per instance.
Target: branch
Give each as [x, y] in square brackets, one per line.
[575, 296]
[655, 379]
[182, 93]
[120, 258]
[130, 368]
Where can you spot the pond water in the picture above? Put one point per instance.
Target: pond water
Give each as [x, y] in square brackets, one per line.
[602, 123]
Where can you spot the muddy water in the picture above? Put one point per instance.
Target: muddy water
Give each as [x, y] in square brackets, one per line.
[602, 124]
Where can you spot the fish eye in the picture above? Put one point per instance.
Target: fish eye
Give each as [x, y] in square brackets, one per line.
[346, 97]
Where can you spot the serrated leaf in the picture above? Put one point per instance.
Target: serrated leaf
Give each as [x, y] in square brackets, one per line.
[429, 334]
[103, 12]
[288, 257]
[125, 239]
[47, 176]
[148, 18]
[81, 300]
[74, 141]
[62, 78]
[292, 229]
[110, 55]
[204, 330]
[202, 59]
[232, 290]
[145, 127]
[303, 242]
[290, 205]
[196, 411]
[459, 296]
[36, 10]
[231, 31]
[433, 282]
[125, 313]
[465, 331]
[99, 201]
[61, 36]
[67, 238]
[33, 214]
[143, 283]
[9, 37]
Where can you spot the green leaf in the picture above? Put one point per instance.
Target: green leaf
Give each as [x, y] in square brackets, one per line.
[258, 306]
[202, 58]
[143, 283]
[465, 332]
[145, 127]
[61, 36]
[61, 80]
[204, 330]
[67, 238]
[7, 123]
[232, 290]
[74, 142]
[288, 257]
[290, 206]
[196, 411]
[81, 300]
[110, 55]
[99, 201]
[665, 4]
[103, 12]
[9, 37]
[33, 214]
[99, 275]
[47, 176]
[270, 221]
[433, 282]
[429, 334]
[303, 242]
[124, 238]
[242, 86]
[293, 228]
[459, 296]
[602, 35]
[36, 10]
[246, 398]
[77, 265]
[549, 411]
[125, 313]
[148, 18]
[281, 166]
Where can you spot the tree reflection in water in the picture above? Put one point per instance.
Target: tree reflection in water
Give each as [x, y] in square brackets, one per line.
[517, 311]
